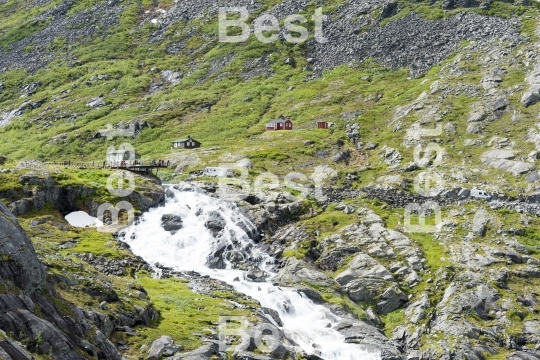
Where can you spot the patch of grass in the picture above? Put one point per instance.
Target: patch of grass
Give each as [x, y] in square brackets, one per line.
[183, 313]
[392, 320]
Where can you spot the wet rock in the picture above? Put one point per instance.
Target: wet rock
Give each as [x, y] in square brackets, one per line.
[273, 314]
[215, 222]
[216, 260]
[256, 275]
[171, 223]
[311, 294]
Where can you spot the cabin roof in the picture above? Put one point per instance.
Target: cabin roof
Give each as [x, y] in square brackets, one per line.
[121, 151]
[189, 138]
[277, 121]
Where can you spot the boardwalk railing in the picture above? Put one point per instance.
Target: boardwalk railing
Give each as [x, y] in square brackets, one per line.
[127, 165]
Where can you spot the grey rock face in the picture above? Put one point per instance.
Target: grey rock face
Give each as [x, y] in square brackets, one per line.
[64, 199]
[7, 117]
[532, 95]
[523, 355]
[19, 264]
[501, 159]
[408, 42]
[391, 156]
[365, 278]
[480, 222]
[390, 300]
[106, 347]
[416, 311]
[171, 77]
[361, 333]
[79, 27]
[352, 132]
[297, 271]
[96, 102]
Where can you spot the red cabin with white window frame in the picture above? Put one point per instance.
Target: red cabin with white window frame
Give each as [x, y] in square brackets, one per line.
[279, 124]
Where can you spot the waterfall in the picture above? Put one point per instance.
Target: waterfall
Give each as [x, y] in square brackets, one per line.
[210, 236]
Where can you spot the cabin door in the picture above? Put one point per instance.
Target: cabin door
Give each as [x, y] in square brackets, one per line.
[280, 126]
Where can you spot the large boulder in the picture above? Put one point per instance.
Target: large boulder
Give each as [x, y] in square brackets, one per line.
[215, 222]
[365, 278]
[171, 223]
[371, 338]
[256, 275]
[164, 346]
[531, 96]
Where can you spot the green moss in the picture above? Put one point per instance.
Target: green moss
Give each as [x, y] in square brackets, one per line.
[392, 320]
[183, 313]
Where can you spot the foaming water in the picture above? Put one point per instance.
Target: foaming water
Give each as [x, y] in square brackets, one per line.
[310, 325]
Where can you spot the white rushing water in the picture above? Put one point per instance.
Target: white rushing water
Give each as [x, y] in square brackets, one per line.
[189, 249]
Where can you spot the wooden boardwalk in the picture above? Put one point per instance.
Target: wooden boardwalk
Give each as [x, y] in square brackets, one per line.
[138, 167]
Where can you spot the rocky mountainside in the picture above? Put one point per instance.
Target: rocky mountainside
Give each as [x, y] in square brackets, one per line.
[415, 92]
